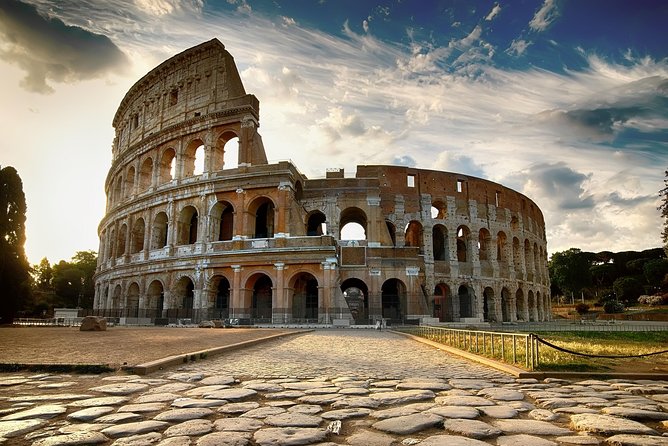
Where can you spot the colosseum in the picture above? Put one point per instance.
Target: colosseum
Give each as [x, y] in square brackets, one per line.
[199, 226]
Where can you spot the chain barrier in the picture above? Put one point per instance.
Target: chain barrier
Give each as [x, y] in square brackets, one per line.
[565, 350]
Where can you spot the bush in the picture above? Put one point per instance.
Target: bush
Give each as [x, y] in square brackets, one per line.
[653, 300]
[582, 308]
[613, 307]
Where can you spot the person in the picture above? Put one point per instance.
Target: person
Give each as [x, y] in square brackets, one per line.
[378, 325]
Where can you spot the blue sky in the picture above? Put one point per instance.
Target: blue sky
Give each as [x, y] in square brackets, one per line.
[565, 101]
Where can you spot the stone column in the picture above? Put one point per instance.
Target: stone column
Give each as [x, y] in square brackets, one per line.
[236, 303]
[279, 303]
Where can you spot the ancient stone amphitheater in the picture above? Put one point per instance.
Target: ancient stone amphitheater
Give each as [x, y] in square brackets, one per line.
[199, 226]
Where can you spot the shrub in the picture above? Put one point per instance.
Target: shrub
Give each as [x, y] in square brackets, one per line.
[582, 308]
[653, 300]
[613, 307]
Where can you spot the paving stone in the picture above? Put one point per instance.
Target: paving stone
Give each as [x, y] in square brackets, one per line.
[231, 394]
[434, 384]
[186, 377]
[217, 380]
[48, 397]
[9, 429]
[554, 403]
[369, 438]
[322, 390]
[455, 400]
[356, 402]
[128, 429]
[305, 385]
[327, 398]
[181, 440]
[56, 385]
[7, 382]
[288, 436]
[189, 428]
[501, 394]
[197, 402]
[284, 403]
[45, 412]
[204, 390]
[225, 439]
[156, 398]
[78, 438]
[523, 440]
[531, 427]
[344, 414]
[470, 428]
[238, 407]
[474, 384]
[543, 415]
[184, 414]
[402, 396]
[171, 388]
[575, 410]
[90, 413]
[354, 391]
[635, 414]
[287, 394]
[393, 412]
[309, 409]
[498, 411]
[465, 412]
[451, 440]
[124, 417]
[263, 412]
[264, 387]
[608, 425]
[238, 424]
[579, 440]
[100, 401]
[142, 407]
[83, 427]
[293, 419]
[120, 388]
[139, 440]
[408, 424]
[636, 440]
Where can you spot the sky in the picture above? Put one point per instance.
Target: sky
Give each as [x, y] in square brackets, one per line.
[565, 101]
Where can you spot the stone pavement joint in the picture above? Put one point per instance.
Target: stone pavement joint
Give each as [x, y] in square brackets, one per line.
[383, 389]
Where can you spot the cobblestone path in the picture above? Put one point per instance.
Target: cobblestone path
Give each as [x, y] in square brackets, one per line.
[330, 387]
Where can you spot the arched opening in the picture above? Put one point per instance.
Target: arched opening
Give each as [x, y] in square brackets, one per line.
[315, 225]
[112, 244]
[222, 221]
[117, 194]
[221, 304]
[440, 242]
[442, 308]
[501, 247]
[145, 174]
[263, 210]
[132, 306]
[393, 299]
[484, 244]
[353, 224]
[167, 168]
[517, 259]
[304, 298]
[187, 226]
[227, 151]
[392, 230]
[184, 297]
[193, 158]
[155, 297]
[463, 236]
[130, 182]
[465, 302]
[520, 305]
[199, 160]
[261, 304]
[506, 305]
[137, 236]
[122, 234]
[439, 210]
[414, 235]
[159, 231]
[531, 306]
[489, 305]
[356, 294]
[116, 298]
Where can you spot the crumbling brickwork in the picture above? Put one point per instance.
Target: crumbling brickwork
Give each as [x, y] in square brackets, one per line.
[200, 226]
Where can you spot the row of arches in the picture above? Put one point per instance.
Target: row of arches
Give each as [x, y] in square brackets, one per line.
[168, 163]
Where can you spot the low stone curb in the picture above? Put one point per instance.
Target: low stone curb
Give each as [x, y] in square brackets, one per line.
[520, 373]
[159, 364]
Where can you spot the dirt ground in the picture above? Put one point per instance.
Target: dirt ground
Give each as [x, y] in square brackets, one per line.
[115, 347]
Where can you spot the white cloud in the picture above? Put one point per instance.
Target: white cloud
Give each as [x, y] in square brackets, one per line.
[494, 12]
[518, 47]
[544, 16]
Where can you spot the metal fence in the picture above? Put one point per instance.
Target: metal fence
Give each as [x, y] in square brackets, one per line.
[511, 348]
[583, 326]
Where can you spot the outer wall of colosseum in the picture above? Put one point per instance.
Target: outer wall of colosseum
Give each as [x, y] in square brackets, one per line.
[199, 225]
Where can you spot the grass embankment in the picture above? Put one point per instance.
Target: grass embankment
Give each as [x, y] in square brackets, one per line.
[608, 344]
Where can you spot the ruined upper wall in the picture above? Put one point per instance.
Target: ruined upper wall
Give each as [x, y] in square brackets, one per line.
[199, 81]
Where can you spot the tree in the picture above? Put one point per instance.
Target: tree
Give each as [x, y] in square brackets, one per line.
[14, 266]
[73, 281]
[663, 193]
[570, 270]
[43, 275]
[86, 262]
[628, 289]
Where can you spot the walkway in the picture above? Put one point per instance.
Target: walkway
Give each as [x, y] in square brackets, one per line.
[330, 387]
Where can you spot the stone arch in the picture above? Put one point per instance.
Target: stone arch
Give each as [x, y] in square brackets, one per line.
[167, 166]
[118, 190]
[116, 297]
[132, 300]
[414, 235]
[506, 305]
[137, 236]
[159, 231]
[262, 209]
[489, 305]
[155, 297]
[439, 210]
[184, 296]
[122, 235]
[463, 237]
[443, 307]
[466, 302]
[440, 243]
[520, 305]
[225, 151]
[356, 293]
[316, 224]
[261, 296]
[393, 299]
[353, 224]
[146, 174]
[484, 244]
[304, 298]
[219, 306]
[501, 247]
[193, 158]
[222, 221]
[187, 226]
[129, 182]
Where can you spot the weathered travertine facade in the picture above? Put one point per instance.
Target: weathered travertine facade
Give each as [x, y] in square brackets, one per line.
[199, 228]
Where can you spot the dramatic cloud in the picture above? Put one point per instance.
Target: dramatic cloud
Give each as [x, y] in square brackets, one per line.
[493, 13]
[544, 16]
[164, 7]
[565, 187]
[48, 49]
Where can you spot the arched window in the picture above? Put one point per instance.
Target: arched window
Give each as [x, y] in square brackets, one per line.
[484, 244]
[263, 210]
[489, 305]
[137, 236]
[465, 302]
[393, 299]
[130, 182]
[193, 158]
[501, 247]
[159, 231]
[316, 224]
[184, 297]
[414, 234]
[187, 226]
[304, 298]
[442, 308]
[353, 224]
[122, 234]
[356, 294]
[439, 210]
[132, 306]
[222, 218]
[261, 305]
[167, 170]
[440, 242]
[226, 154]
[155, 298]
[463, 236]
[145, 174]
[221, 304]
